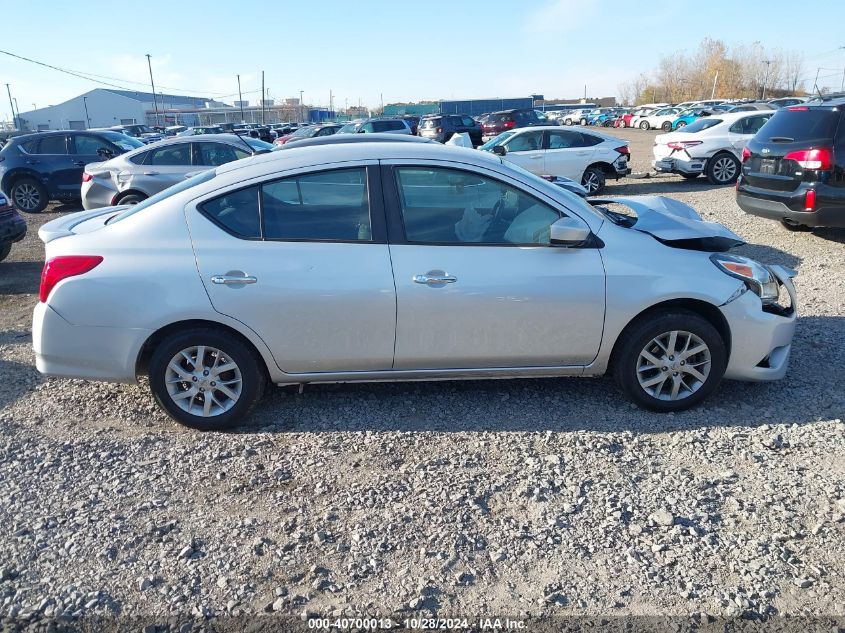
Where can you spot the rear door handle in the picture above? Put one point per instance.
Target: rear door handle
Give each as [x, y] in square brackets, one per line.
[79, 163]
[536, 157]
[434, 280]
[151, 173]
[233, 280]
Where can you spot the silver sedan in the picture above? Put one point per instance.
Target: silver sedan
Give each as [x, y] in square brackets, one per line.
[135, 176]
[400, 261]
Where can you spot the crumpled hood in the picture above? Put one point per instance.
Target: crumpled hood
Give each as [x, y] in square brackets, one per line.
[675, 224]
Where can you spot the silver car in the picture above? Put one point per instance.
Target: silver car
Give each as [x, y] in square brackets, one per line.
[137, 175]
[400, 261]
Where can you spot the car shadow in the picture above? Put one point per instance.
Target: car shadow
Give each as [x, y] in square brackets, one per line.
[832, 235]
[657, 185]
[809, 393]
[26, 378]
[18, 278]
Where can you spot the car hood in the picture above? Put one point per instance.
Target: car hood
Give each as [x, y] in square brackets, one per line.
[675, 224]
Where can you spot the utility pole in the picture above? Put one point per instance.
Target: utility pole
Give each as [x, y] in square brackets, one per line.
[715, 79]
[381, 99]
[88, 118]
[262, 97]
[11, 105]
[241, 99]
[766, 80]
[301, 107]
[816, 82]
[330, 101]
[152, 83]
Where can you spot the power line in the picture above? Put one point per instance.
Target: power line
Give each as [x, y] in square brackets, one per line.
[89, 76]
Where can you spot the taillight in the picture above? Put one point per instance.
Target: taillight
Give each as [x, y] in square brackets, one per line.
[798, 108]
[439, 130]
[86, 177]
[810, 200]
[508, 124]
[683, 144]
[624, 150]
[59, 268]
[746, 154]
[821, 158]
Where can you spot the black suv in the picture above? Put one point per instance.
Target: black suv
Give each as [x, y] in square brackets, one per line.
[37, 168]
[793, 170]
[12, 227]
[441, 127]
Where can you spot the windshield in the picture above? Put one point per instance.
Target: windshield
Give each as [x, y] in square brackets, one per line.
[573, 201]
[496, 141]
[349, 128]
[701, 124]
[163, 195]
[304, 132]
[257, 144]
[143, 129]
[123, 141]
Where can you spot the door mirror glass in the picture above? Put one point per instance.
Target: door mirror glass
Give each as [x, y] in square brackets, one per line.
[569, 232]
[500, 150]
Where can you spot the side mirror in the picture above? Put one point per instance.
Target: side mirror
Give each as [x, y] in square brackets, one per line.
[500, 150]
[568, 232]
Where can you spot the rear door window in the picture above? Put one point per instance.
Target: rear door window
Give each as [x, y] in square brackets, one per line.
[529, 141]
[53, 144]
[468, 121]
[87, 145]
[173, 155]
[236, 212]
[216, 154]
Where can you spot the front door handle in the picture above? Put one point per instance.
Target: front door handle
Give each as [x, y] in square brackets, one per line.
[233, 280]
[536, 157]
[435, 278]
[151, 173]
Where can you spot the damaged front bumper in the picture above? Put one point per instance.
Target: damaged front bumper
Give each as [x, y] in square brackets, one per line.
[761, 336]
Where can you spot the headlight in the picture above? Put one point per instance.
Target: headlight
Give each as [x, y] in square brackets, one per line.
[756, 276]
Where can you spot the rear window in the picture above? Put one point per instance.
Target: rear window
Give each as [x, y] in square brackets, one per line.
[701, 124]
[499, 118]
[812, 124]
[427, 124]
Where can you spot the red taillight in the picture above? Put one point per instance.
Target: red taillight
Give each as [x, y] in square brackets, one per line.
[86, 177]
[624, 150]
[439, 130]
[746, 154]
[798, 108]
[59, 268]
[508, 124]
[810, 200]
[683, 144]
[821, 158]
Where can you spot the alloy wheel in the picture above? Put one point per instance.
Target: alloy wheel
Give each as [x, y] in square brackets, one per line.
[674, 365]
[591, 182]
[724, 169]
[203, 381]
[27, 197]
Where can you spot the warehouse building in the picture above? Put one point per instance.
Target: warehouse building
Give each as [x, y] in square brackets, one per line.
[105, 107]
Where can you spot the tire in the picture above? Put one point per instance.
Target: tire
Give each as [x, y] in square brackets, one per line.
[680, 125]
[667, 126]
[29, 195]
[583, 121]
[567, 122]
[132, 198]
[644, 125]
[224, 412]
[633, 370]
[690, 176]
[722, 169]
[5, 249]
[793, 228]
[593, 180]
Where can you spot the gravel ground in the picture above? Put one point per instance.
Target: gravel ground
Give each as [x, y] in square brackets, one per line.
[527, 497]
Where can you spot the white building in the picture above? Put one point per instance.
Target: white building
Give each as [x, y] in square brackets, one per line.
[105, 107]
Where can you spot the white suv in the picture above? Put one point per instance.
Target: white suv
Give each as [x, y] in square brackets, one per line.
[710, 145]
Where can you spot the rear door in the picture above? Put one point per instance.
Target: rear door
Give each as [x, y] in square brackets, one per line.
[310, 273]
[53, 158]
[568, 154]
[744, 129]
[212, 154]
[526, 150]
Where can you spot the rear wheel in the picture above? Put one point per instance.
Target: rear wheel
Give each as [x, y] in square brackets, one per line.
[667, 126]
[593, 180]
[644, 125]
[132, 198]
[5, 249]
[583, 121]
[568, 121]
[206, 379]
[29, 195]
[670, 361]
[722, 169]
[680, 124]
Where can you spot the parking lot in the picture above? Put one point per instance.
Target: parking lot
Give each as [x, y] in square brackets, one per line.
[523, 497]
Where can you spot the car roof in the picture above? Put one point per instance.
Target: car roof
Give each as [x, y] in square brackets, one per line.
[198, 138]
[343, 139]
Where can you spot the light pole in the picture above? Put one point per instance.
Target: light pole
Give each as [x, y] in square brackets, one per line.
[301, 107]
[88, 118]
[766, 79]
[241, 99]
[11, 105]
[152, 84]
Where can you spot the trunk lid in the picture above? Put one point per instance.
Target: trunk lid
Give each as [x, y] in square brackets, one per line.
[77, 223]
[770, 160]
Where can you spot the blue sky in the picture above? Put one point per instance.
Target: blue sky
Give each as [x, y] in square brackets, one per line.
[405, 51]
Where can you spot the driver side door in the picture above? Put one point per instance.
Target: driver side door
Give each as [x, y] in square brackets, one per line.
[526, 150]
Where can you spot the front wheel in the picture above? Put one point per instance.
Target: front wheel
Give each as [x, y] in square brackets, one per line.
[206, 379]
[644, 125]
[593, 180]
[669, 362]
[667, 126]
[680, 124]
[583, 121]
[568, 122]
[722, 169]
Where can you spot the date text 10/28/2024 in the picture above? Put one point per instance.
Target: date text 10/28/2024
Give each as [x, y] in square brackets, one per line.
[428, 624]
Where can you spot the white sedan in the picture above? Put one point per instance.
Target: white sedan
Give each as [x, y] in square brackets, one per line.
[657, 120]
[382, 260]
[582, 155]
[710, 145]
